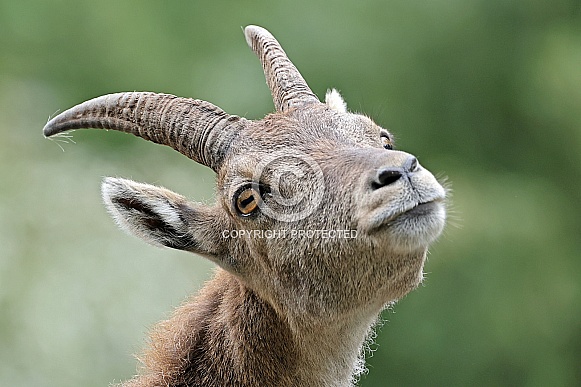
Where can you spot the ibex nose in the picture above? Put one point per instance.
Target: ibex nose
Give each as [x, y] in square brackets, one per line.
[389, 175]
[411, 164]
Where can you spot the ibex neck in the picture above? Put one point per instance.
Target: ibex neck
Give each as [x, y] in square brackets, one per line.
[227, 335]
[331, 354]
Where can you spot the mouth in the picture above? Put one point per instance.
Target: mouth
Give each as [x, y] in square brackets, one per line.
[419, 209]
[410, 228]
[412, 213]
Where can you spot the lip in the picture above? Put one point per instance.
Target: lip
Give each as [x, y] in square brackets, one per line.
[418, 210]
[422, 207]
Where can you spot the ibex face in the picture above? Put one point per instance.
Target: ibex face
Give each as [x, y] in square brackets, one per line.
[371, 211]
[315, 210]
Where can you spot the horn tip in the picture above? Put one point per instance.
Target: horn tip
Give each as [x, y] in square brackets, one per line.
[58, 124]
[252, 31]
[50, 129]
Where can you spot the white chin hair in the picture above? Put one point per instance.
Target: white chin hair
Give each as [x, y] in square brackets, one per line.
[417, 229]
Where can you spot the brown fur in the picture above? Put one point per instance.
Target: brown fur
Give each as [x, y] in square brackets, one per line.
[225, 336]
[281, 311]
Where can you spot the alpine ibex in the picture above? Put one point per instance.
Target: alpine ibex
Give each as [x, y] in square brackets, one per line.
[318, 225]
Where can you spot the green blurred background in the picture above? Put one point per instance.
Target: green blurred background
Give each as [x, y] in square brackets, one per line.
[486, 92]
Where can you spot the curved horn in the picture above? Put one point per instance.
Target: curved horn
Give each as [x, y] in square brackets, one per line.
[287, 86]
[199, 130]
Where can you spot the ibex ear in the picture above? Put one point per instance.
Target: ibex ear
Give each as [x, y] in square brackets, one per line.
[334, 100]
[163, 218]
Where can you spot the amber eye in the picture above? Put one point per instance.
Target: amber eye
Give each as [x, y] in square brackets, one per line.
[386, 142]
[247, 201]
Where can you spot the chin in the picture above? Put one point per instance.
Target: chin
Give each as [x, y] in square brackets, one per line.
[416, 229]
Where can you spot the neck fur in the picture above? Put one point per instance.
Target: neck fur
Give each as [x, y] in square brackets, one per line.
[227, 335]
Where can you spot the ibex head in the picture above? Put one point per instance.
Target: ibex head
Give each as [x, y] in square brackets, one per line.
[315, 211]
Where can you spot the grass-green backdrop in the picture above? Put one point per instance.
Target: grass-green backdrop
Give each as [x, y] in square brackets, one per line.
[485, 92]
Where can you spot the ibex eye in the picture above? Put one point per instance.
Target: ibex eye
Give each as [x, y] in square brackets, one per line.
[386, 141]
[247, 201]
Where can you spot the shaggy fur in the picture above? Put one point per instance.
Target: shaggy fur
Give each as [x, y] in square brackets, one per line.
[318, 226]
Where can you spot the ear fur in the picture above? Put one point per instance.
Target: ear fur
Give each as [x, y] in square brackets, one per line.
[161, 217]
[334, 100]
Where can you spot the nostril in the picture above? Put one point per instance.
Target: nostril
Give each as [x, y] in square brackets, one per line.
[386, 176]
[411, 164]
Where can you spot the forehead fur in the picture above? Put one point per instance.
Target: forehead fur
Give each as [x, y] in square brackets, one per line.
[313, 130]
[305, 126]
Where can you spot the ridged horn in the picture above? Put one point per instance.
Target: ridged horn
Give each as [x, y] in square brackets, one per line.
[198, 129]
[287, 86]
